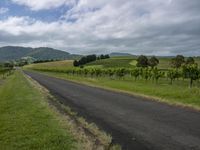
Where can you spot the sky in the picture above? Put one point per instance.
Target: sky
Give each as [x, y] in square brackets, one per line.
[148, 27]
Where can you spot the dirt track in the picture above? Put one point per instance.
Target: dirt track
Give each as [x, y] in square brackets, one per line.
[135, 123]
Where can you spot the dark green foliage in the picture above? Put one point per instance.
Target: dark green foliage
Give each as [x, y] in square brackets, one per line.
[142, 61]
[6, 69]
[156, 74]
[90, 58]
[75, 63]
[135, 73]
[153, 61]
[178, 61]
[146, 73]
[85, 59]
[192, 72]
[43, 61]
[103, 57]
[172, 74]
[190, 60]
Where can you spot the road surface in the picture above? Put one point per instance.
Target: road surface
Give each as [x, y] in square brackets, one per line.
[135, 123]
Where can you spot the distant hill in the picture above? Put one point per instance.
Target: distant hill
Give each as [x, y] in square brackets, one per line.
[114, 54]
[41, 53]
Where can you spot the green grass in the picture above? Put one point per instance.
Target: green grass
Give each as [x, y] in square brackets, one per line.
[60, 65]
[26, 120]
[128, 61]
[178, 93]
[113, 62]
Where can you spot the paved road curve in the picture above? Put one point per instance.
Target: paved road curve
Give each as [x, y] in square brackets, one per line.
[136, 123]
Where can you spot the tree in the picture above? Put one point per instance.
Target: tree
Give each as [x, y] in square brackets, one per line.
[142, 61]
[192, 72]
[153, 61]
[107, 56]
[172, 75]
[102, 57]
[146, 73]
[110, 72]
[120, 72]
[157, 74]
[76, 63]
[178, 61]
[190, 60]
[85, 59]
[135, 73]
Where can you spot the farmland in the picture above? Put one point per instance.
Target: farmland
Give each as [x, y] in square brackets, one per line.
[162, 90]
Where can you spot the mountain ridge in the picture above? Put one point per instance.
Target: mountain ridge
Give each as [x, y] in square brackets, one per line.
[8, 53]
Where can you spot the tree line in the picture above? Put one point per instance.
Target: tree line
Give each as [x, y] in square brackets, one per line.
[89, 58]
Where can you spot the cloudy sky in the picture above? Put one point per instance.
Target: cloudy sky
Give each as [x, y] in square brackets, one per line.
[151, 27]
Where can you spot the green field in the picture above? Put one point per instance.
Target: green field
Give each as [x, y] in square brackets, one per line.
[26, 121]
[113, 62]
[59, 65]
[178, 93]
[130, 62]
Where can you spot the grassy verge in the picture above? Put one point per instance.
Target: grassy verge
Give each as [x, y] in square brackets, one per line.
[26, 121]
[31, 118]
[178, 93]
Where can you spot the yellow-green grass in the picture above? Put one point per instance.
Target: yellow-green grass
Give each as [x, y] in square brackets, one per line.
[94, 66]
[113, 62]
[130, 61]
[60, 65]
[178, 93]
[133, 63]
[26, 120]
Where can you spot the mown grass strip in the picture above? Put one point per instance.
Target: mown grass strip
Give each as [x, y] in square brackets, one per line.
[26, 121]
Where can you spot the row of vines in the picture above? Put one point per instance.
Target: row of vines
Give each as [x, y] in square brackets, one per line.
[189, 72]
[4, 72]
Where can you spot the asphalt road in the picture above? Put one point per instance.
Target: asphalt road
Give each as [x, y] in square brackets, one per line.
[135, 123]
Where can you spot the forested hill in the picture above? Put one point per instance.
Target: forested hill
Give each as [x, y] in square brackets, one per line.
[41, 53]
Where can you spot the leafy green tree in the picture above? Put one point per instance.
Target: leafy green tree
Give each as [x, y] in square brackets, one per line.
[190, 60]
[156, 74]
[172, 74]
[75, 63]
[142, 61]
[120, 72]
[178, 61]
[192, 72]
[135, 73]
[146, 73]
[110, 72]
[153, 61]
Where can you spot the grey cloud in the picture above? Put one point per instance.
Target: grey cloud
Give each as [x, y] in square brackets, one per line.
[140, 27]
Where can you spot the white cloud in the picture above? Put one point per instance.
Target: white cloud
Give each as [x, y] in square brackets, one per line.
[43, 4]
[140, 27]
[3, 10]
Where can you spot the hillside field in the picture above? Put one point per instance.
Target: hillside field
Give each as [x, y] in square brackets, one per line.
[178, 93]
